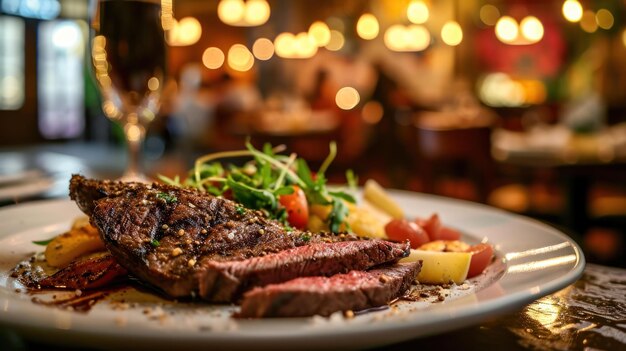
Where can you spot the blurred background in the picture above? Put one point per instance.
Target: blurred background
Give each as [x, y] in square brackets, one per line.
[516, 104]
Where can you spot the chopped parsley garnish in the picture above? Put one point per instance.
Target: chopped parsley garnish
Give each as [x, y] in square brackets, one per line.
[259, 183]
[167, 197]
[306, 236]
[240, 209]
[155, 243]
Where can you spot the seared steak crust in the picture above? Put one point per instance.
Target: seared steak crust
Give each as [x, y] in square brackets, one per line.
[224, 281]
[165, 235]
[356, 290]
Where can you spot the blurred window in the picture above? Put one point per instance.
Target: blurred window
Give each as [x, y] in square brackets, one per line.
[11, 63]
[61, 84]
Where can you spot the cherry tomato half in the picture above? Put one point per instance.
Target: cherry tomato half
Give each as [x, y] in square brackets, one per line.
[402, 230]
[481, 257]
[297, 207]
[431, 225]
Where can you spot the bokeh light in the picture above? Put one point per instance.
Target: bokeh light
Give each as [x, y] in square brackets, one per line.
[257, 12]
[231, 11]
[320, 32]
[213, 58]
[489, 14]
[336, 41]
[347, 98]
[451, 33]
[507, 29]
[588, 22]
[532, 29]
[572, 10]
[417, 12]
[604, 19]
[367, 27]
[372, 112]
[263, 49]
[240, 58]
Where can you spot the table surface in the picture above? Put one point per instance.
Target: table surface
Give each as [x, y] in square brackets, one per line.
[587, 315]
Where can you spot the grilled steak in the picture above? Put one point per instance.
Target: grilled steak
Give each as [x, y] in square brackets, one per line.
[224, 281]
[356, 290]
[174, 238]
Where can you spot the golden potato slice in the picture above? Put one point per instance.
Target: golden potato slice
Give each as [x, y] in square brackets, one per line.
[63, 249]
[441, 267]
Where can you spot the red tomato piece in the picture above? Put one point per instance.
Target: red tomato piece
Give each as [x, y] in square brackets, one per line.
[402, 230]
[432, 226]
[297, 207]
[481, 257]
[447, 233]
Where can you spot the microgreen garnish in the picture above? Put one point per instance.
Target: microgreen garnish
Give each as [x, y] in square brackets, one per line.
[43, 242]
[155, 242]
[167, 197]
[259, 183]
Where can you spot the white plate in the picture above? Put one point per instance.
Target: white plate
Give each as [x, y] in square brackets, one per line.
[534, 260]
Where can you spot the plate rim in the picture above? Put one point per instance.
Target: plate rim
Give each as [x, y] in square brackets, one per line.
[392, 331]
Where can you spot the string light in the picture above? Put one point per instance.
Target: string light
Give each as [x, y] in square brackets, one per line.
[489, 14]
[336, 42]
[407, 38]
[240, 58]
[604, 19]
[531, 29]
[588, 22]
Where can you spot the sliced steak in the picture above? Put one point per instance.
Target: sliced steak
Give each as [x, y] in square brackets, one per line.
[225, 281]
[172, 237]
[356, 290]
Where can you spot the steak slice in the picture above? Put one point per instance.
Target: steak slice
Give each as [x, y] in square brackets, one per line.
[171, 237]
[225, 281]
[356, 290]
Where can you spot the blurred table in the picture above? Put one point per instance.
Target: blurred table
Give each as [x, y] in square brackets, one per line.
[587, 315]
[43, 171]
[579, 160]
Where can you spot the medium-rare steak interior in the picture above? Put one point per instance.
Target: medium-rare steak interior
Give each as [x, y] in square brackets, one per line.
[355, 290]
[186, 242]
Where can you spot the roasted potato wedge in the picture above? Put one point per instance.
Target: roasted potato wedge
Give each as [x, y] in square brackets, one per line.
[76, 242]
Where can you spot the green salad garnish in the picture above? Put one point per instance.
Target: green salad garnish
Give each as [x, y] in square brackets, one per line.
[258, 184]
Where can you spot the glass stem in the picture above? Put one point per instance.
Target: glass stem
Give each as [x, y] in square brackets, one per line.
[135, 135]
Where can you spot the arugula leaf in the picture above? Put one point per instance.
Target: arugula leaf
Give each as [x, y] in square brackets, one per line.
[252, 197]
[43, 242]
[337, 215]
[342, 195]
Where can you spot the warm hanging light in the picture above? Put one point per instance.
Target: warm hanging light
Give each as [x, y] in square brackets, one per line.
[531, 29]
[417, 12]
[528, 31]
[243, 14]
[451, 33]
[572, 10]
[407, 38]
[288, 45]
[320, 32]
[367, 26]
[185, 32]
[507, 29]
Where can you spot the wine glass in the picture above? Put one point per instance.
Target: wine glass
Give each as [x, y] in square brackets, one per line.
[128, 59]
